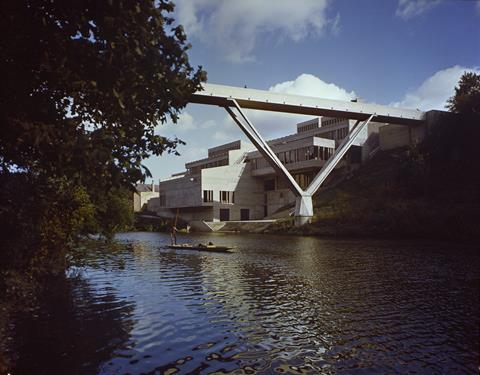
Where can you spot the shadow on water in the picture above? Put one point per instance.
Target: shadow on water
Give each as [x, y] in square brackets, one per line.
[275, 305]
[75, 330]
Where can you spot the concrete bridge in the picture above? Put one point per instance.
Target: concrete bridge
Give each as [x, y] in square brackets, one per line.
[235, 99]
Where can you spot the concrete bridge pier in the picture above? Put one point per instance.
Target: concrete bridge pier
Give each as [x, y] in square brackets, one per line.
[303, 209]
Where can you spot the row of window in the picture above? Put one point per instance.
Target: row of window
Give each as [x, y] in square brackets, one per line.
[333, 121]
[305, 128]
[306, 153]
[336, 135]
[225, 214]
[297, 155]
[213, 164]
[227, 196]
[208, 195]
[224, 196]
[302, 179]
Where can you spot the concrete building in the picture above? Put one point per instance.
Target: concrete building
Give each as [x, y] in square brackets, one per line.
[236, 183]
[219, 187]
[146, 197]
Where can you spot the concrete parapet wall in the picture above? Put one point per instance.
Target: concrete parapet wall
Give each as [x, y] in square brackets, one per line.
[395, 136]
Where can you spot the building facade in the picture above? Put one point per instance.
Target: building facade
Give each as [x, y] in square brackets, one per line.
[236, 183]
[145, 198]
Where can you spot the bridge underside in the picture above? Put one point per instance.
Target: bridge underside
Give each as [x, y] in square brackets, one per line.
[234, 99]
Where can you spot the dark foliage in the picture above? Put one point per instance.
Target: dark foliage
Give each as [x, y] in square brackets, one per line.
[83, 86]
[467, 95]
[84, 83]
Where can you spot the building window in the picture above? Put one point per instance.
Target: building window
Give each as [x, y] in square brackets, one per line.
[208, 196]
[303, 179]
[227, 196]
[269, 185]
[244, 214]
[224, 214]
[163, 199]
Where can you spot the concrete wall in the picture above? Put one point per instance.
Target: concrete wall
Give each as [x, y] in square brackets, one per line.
[277, 199]
[153, 204]
[186, 193]
[140, 200]
[395, 136]
[187, 214]
[370, 139]
[182, 192]
[237, 178]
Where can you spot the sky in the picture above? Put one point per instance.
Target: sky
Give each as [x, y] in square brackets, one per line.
[406, 53]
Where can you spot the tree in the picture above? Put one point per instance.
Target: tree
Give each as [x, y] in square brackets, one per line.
[467, 95]
[84, 84]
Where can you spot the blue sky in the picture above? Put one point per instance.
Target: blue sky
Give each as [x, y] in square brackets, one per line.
[408, 53]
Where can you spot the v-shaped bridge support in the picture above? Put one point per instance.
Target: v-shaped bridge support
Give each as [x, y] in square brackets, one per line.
[303, 203]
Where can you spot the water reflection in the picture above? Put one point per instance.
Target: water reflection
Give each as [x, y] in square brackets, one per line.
[276, 305]
[76, 330]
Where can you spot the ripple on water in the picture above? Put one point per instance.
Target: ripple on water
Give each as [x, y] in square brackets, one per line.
[275, 305]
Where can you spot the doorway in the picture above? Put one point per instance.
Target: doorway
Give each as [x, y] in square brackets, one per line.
[244, 214]
[224, 214]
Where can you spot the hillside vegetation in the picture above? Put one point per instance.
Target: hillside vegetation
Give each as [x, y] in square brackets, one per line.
[430, 190]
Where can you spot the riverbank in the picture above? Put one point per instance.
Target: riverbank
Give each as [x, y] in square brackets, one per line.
[397, 194]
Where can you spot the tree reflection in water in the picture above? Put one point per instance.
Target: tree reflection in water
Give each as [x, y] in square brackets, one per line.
[274, 305]
[74, 331]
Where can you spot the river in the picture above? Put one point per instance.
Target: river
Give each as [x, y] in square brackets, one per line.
[276, 304]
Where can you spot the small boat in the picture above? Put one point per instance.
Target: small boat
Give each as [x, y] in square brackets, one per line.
[201, 247]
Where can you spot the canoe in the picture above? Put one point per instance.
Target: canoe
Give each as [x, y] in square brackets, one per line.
[200, 247]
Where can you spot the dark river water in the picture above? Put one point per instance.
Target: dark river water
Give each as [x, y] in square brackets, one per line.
[275, 305]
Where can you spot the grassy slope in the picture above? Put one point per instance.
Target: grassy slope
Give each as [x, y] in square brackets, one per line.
[390, 197]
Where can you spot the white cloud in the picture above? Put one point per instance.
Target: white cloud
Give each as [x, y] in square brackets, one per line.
[277, 124]
[185, 122]
[273, 124]
[208, 124]
[408, 9]
[227, 131]
[336, 24]
[223, 136]
[310, 85]
[234, 26]
[194, 153]
[435, 90]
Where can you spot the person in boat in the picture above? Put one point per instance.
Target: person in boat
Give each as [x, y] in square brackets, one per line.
[201, 245]
[173, 235]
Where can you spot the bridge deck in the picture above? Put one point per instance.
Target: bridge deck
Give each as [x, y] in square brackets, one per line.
[270, 101]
